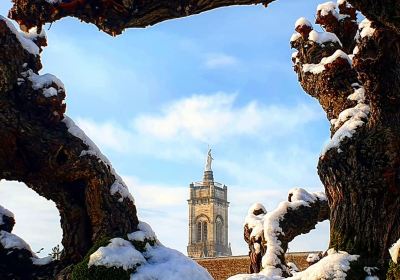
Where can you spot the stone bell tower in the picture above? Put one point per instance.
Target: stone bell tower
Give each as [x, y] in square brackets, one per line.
[208, 217]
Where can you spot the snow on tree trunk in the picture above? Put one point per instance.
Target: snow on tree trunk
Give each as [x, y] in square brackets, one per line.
[38, 148]
[359, 91]
[269, 234]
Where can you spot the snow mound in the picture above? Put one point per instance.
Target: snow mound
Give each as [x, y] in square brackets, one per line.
[334, 266]
[119, 253]
[302, 21]
[12, 241]
[320, 67]
[144, 232]
[43, 82]
[156, 262]
[328, 8]
[166, 264]
[4, 212]
[256, 206]
[323, 37]
[295, 36]
[300, 194]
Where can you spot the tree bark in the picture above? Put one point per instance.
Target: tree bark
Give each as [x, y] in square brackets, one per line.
[387, 12]
[113, 16]
[360, 175]
[37, 148]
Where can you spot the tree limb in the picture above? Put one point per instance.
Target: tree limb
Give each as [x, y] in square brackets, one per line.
[113, 16]
[298, 215]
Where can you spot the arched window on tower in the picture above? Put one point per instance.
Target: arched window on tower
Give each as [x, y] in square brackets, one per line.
[219, 230]
[204, 237]
[198, 239]
[201, 233]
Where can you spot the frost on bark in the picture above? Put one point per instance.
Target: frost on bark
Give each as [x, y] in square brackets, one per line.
[39, 146]
[113, 16]
[357, 84]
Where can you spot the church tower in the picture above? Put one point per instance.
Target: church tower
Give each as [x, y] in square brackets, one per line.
[208, 217]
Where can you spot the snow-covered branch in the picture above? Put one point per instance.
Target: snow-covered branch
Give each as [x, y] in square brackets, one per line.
[276, 229]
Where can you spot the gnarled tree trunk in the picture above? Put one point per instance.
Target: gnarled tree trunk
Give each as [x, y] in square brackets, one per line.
[360, 166]
[38, 147]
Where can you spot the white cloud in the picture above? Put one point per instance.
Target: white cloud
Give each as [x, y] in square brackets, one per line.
[211, 118]
[156, 196]
[182, 128]
[108, 135]
[219, 60]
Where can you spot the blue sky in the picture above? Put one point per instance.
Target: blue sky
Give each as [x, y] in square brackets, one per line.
[153, 99]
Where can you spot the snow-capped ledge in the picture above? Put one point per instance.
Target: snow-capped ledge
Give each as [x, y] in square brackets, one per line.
[118, 186]
[4, 212]
[323, 37]
[43, 83]
[349, 119]
[320, 67]
[24, 40]
[145, 232]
